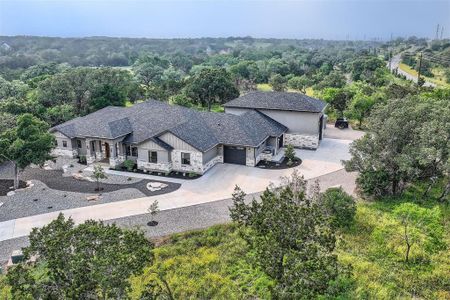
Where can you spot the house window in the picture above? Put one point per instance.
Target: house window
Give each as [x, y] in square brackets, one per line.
[153, 156]
[131, 151]
[185, 158]
[79, 144]
[64, 144]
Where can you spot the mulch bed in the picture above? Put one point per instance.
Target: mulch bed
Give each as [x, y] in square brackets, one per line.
[173, 174]
[5, 185]
[272, 165]
[54, 180]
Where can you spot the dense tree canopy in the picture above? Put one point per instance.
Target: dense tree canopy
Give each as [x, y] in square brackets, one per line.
[291, 237]
[88, 261]
[407, 140]
[211, 85]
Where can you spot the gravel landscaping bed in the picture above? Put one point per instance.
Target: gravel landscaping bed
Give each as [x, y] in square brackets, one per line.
[41, 199]
[272, 165]
[54, 180]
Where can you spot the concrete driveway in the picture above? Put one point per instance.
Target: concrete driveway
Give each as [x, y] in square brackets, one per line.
[216, 184]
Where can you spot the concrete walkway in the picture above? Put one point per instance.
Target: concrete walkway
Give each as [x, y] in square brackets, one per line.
[216, 184]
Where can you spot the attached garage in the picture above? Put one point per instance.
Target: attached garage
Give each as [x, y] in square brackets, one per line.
[234, 155]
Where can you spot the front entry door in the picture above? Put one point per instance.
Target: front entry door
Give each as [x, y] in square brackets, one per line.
[107, 151]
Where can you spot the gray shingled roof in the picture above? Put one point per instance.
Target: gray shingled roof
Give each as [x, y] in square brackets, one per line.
[278, 101]
[149, 119]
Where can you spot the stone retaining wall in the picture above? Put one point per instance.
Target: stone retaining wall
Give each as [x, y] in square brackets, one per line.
[212, 162]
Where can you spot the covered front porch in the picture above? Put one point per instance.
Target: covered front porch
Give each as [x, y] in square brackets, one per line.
[107, 151]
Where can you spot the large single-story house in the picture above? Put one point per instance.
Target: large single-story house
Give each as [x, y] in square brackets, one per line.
[162, 137]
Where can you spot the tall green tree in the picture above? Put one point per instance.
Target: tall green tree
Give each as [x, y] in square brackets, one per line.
[407, 140]
[27, 143]
[211, 85]
[338, 98]
[88, 261]
[360, 107]
[299, 83]
[278, 83]
[290, 237]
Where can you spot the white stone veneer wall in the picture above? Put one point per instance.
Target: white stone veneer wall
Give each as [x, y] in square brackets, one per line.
[163, 167]
[114, 162]
[196, 165]
[265, 156]
[64, 152]
[301, 140]
[250, 157]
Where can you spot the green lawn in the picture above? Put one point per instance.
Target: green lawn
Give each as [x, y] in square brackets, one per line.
[264, 87]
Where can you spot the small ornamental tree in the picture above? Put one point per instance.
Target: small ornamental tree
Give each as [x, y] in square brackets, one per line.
[153, 210]
[98, 174]
[88, 261]
[290, 154]
[420, 227]
[340, 207]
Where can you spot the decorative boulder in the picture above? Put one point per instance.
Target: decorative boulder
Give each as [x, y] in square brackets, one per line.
[93, 198]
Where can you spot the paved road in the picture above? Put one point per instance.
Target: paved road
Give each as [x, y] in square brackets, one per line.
[395, 64]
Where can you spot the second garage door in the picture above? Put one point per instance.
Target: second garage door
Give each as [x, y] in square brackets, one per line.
[234, 155]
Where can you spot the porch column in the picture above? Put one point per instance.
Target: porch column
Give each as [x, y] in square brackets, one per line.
[90, 154]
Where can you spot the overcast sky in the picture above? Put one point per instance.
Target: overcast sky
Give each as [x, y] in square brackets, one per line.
[332, 19]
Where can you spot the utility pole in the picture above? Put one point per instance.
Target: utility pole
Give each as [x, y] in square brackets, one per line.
[437, 32]
[420, 66]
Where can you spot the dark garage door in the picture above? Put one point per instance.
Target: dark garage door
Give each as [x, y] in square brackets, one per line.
[234, 155]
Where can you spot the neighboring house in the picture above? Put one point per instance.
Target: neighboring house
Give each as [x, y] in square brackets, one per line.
[162, 137]
[302, 115]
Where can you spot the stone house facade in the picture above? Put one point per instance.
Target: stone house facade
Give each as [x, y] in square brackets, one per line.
[159, 137]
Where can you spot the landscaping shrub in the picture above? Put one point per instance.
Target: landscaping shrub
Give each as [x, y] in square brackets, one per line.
[129, 164]
[290, 154]
[82, 159]
[340, 206]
